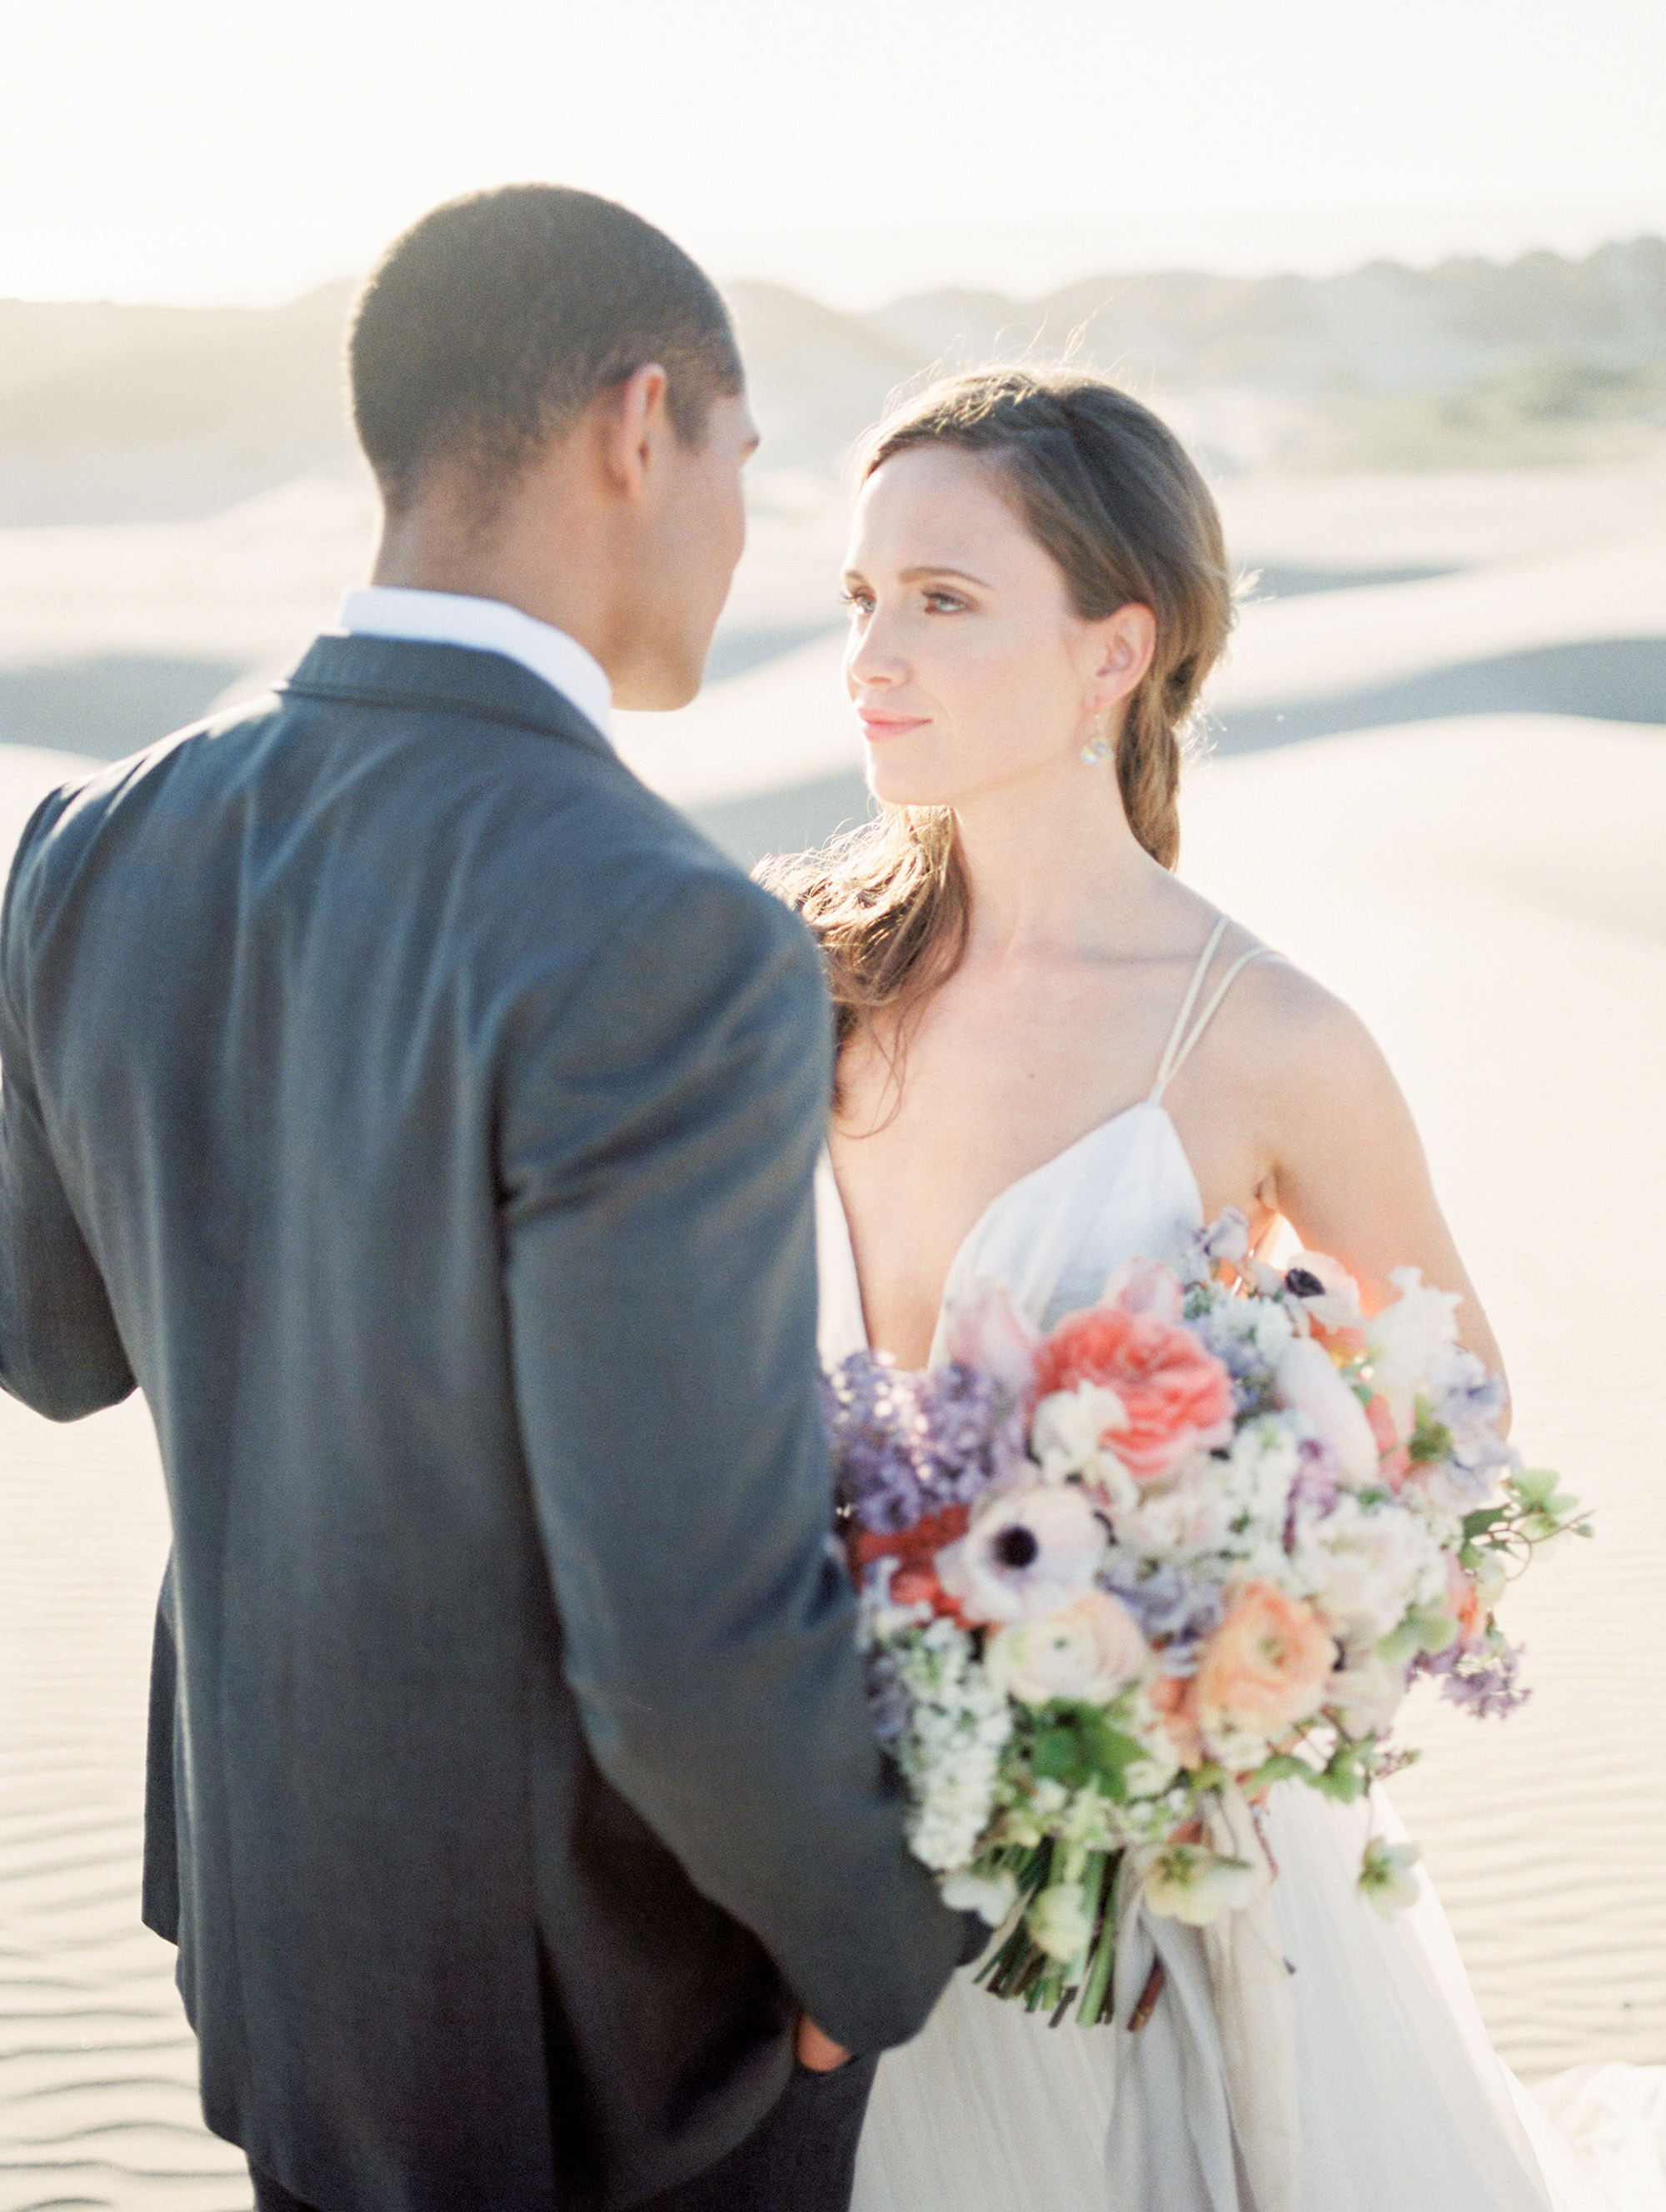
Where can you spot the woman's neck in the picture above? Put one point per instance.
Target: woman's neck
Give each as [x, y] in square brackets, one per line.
[1054, 870]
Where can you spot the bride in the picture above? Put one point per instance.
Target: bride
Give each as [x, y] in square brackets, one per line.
[1054, 1056]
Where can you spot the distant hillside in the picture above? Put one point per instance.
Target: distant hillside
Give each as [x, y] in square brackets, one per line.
[111, 414]
[1385, 366]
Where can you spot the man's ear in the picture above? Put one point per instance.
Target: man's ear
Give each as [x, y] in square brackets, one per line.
[1127, 643]
[633, 419]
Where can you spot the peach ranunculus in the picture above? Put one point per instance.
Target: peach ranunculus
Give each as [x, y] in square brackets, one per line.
[1174, 1396]
[1393, 1461]
[1264, 1669]
[1172, 1700]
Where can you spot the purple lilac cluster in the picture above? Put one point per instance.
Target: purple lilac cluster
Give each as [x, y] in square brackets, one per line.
[1175, 1610]
[908, 1445]
[1314, 1489]
[1243, 1359]
[1485, 1681]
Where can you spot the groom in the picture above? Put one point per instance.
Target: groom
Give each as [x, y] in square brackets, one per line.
[424, 1116]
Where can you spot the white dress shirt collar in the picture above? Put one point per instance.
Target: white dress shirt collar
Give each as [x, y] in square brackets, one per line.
[485, 626]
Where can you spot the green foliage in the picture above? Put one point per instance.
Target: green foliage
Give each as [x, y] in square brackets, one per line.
[1075, 1745]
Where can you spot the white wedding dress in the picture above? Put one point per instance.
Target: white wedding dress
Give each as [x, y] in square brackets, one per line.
[1400, 2103]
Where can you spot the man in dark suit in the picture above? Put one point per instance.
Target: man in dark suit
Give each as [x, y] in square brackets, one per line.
[424, 1116]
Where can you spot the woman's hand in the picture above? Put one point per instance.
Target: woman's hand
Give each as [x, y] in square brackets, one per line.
[816, 2051]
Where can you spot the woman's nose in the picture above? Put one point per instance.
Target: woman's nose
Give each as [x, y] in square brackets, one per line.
[872, 657]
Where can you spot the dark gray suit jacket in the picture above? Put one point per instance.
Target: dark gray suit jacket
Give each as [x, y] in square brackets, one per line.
[423, 1115]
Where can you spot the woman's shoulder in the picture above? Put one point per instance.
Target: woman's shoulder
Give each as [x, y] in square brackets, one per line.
[1281, 1029]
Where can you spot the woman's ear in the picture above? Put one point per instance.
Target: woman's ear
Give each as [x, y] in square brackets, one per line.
[1126, 643]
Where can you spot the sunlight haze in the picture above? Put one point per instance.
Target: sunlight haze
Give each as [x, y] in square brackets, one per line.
[190, 151]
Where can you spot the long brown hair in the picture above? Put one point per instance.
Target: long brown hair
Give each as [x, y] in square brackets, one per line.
[1109, 492]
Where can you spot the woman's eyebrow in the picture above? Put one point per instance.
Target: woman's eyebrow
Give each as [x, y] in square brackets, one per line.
[916, 575]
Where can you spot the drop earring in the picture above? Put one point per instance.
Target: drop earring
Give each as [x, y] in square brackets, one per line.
[1100, 747]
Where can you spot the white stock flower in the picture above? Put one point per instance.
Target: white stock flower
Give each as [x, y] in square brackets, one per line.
[991, 1896]
[1404, 1342]
[1059, 1921]
[1306, 1380]
[959, 1724]
[1388, 1878]
[1186, 1881]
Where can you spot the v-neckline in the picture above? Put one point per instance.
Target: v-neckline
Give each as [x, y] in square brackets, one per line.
[1047, 1167]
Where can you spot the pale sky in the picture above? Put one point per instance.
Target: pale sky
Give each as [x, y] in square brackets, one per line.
[239, 149]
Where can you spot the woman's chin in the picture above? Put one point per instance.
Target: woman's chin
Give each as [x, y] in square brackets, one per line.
[894, 784]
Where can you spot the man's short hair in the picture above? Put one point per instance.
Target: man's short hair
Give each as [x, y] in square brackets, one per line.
[489, 327]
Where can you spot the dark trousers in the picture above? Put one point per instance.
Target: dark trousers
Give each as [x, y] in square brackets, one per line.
[801, 2157]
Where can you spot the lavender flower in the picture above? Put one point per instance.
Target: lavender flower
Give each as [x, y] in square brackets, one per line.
[909, 1445]
[1484, 1680]
[1173, 1608]
[1228, 1238]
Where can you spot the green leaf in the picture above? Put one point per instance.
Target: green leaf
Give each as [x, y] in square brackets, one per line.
[1535, 1486]
[1483, 1518]
[1057, 1758]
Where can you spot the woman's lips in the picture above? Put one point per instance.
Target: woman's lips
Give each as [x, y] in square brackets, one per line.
[889, 726]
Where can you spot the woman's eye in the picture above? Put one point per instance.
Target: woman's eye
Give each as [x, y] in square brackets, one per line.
[944, 603]
[861, 603]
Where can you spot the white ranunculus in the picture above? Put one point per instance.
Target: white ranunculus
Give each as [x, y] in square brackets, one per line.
[1084, 1653]
[1363, 1569]
[1185, 1881]
[1307, 1381]
[1405, 1341]
[1181, 1519]
[1059, 1921]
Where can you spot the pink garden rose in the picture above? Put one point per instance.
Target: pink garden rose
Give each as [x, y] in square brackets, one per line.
[1264, 1669]
[1176, 1397]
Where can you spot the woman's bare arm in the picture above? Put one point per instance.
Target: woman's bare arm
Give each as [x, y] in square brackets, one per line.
[1348, 1169]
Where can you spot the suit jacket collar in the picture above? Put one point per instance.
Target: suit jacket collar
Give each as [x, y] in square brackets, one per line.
[459, 679]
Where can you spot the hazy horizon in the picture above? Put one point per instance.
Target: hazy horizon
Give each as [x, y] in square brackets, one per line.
[1030, 264]
[248, 155]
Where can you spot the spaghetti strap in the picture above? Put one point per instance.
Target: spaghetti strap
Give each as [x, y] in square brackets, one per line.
[1181, 1039]
[1166, 1066]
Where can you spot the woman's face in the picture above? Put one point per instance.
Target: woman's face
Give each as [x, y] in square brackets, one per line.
[968, 667]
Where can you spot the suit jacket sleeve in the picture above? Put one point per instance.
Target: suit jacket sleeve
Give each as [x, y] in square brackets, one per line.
[660, 1276]
[60, 1351]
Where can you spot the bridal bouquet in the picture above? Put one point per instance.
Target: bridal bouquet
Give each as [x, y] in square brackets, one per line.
[1117, 1581]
